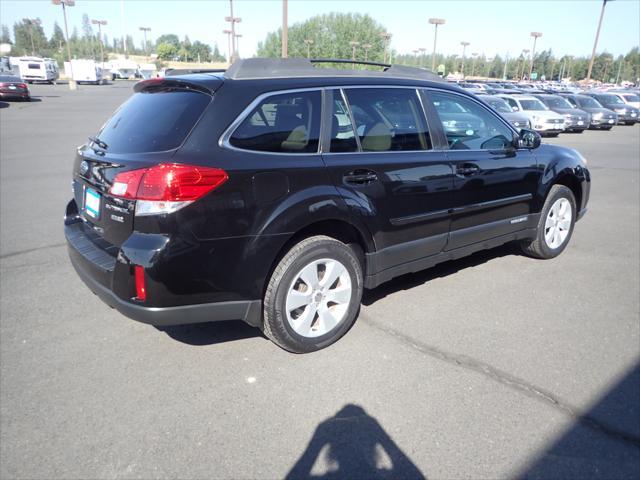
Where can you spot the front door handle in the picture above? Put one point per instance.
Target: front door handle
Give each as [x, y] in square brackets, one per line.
[467, 169]
[360, 177]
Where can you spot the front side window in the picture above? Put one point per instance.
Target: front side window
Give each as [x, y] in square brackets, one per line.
[513, 104]
[281, 123]
[469, 126]
[388, 119]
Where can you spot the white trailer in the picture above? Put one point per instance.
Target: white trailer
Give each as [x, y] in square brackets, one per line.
[85, 71]
[36, 69]
[148, 70]
[123, 68]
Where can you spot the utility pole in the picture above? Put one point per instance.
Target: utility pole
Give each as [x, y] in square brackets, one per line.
[238, 37]
[464, 49]
[285, 29]
[520, 74]
[435, 22]
[386, 36]
[422, 58]
[145, 30]
[620, 62]
[353, 44]
[308, 42]
[124, 33]
[506, 62]
[535, 36]
[100, 23]
[30, 22]
[607, 63]
[65, 4]
[595, 42]
[232, 20]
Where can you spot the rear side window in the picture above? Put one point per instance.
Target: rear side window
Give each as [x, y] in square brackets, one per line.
[282, 123]
[153, 121]
[388, 119]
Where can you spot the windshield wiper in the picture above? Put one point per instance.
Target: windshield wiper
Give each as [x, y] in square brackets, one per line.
[99, 142]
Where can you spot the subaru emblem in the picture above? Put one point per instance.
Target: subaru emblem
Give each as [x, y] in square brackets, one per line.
[84, 167]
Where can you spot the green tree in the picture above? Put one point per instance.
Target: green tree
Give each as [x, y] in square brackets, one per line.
[331, 34]
[166, 51]
[5, 36]
[23, 32]
[216, 56]
[169, 38]
[199, 50]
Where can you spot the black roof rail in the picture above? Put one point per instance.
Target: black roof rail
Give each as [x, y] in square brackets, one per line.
[264, 68]
[173, 72]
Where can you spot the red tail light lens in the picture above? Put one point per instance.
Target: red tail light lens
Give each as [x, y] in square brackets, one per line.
[141, 289]
[22, 85]
[168, 182]
[2, 84]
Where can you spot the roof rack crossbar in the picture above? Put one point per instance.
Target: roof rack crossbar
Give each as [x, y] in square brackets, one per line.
[349, 61]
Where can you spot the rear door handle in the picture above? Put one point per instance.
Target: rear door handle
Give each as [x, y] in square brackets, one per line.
[467, 169]
[360, 177]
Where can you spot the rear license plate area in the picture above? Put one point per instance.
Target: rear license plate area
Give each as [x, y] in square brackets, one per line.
[92, 203]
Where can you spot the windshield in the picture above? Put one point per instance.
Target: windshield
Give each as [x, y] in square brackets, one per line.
[558, 102]
[610, 99]
[631, 97]
[153, 122]
[532, 104]
[498, 104]
[588, 102]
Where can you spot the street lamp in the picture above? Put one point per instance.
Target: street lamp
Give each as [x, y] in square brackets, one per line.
[473, 65]
[308, 42]
[386, 36]
[435, 22]
[366, 48]
[145, 30]
[595, 42]
[353, 44]
[232, 20]
[238, 36]
[464, 49]
[535, 36]
[30, 22]
[422, 50]
[65, 4]
[228, 33]
[100, 23]
[524, 60]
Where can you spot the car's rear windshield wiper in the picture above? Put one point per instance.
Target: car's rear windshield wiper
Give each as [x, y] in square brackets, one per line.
[99, 142]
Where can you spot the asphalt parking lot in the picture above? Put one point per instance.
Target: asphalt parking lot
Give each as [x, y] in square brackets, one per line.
[493, 366]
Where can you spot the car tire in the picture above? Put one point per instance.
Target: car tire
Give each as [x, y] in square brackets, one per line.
[300, 315]
[555, 226]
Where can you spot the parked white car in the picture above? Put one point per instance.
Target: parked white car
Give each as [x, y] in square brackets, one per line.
[543, 120]
[630, 98]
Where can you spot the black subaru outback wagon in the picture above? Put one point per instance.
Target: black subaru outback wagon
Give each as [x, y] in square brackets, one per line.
[275, 192]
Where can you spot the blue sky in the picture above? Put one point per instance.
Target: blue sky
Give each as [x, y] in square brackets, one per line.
[500, 26]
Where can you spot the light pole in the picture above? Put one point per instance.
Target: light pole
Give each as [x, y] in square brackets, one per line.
[65, 4]
[422, 50]
[100, 23]
[535, 36]
[366, 47]
[232, 20]
[595, 42]
[415, 55]
[228, 33]
[238, 37]
[473, 65]
[308, 42]
[464, 49]
[489, 65]
[435, 22]
[285, 29]
[620, 62]
[520, 73]
[31, 22]
[145, 30]
[386, 36]
[607, 63]
[353, 44]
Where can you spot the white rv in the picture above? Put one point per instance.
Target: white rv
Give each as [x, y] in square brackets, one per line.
[123, 68]
[85, 71]
[148, 70]
[35, 69]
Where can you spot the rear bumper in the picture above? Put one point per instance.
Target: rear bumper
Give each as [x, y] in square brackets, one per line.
[246, 310]
[107, 271]
[11, 94]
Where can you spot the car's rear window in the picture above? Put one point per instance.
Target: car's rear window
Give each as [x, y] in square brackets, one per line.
[153, 121]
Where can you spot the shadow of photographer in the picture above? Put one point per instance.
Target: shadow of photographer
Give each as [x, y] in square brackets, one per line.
[353, 445]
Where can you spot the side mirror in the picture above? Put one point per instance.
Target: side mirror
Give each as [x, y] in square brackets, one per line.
[515, 109]
[528, 139]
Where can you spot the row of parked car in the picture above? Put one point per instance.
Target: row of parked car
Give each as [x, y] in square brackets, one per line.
[553, 109]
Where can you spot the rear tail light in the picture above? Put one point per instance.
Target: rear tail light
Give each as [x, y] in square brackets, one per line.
[141, 289]
[166, 187]
[22, 85]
